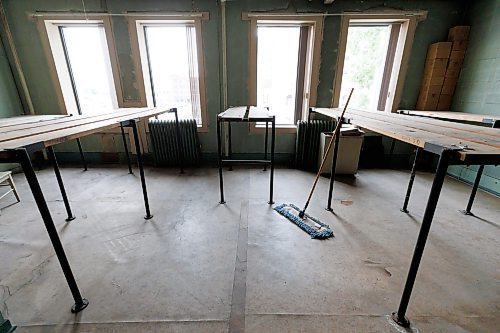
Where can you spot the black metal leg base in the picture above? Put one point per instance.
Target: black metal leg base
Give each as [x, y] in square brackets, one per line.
[148, 217]
[70, 218]
[270, 202]
[465, 212]
[400, 321]
[222, 202]
[329, 209]
[79, 307]
[404, 210]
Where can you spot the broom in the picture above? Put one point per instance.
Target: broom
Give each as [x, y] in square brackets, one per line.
[322, 230]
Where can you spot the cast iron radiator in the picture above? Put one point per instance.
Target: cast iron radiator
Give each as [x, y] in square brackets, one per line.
[164, 142]
[308, 141]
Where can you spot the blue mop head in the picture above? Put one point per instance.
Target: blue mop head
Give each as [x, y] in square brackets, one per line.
[322, 233]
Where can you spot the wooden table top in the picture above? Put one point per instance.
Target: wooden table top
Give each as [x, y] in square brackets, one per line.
[453, 115]
[238, 113]
[49, 130]
[476, 144]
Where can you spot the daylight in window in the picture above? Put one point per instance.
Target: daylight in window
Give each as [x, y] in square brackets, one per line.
[173, 66]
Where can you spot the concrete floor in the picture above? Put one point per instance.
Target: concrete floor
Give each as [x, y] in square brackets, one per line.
[198, 266]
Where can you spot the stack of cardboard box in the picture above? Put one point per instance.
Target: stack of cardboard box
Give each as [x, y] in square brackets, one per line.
[458, 36]
[442, 68]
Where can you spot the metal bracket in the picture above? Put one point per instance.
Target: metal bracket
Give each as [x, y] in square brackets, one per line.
[438, 149]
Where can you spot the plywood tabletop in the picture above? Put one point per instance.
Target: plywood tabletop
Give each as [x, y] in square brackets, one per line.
[239, 113]
[453, 115]
[50, 130]
[478, 145]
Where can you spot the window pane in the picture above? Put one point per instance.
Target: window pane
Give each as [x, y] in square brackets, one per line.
[89, 60]
[277, 59]
[173, 63]
[364, 62]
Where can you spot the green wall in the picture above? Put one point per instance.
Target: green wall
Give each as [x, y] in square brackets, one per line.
[441, 16]
[10, 104]
[478, 88]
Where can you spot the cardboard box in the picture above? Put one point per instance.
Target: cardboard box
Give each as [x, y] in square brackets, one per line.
[460, 32]
[427, 101]
[432, 80]
[448, 81]
[432, 70]
[457, 55]
[436, 89]
[439, 50]
[454, 73]
[459, 45]
[436, 66]
[455, 63]
[444, 103]
[448, 89]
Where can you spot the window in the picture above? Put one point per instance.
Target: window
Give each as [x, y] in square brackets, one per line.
[365, 57]
[284, 63]
[277, 61]
[171, 61]
[174, 73]
[83, 65]
[373, 55]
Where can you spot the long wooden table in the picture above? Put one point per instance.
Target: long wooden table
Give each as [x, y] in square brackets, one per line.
[454, 143]
[21, 136]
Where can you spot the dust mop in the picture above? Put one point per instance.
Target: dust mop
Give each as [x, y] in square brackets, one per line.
[314, 227]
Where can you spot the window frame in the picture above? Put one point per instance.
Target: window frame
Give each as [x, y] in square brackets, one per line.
[401, 57]
[48, 27]
[141, 63]
[316, 36]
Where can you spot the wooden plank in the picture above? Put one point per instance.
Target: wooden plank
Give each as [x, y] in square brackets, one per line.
[72, 132]
[387, 126]
[237, 112]
[259, 113]
[453, 115]
[20, 120]
[460, 126]
[487, 136]
[471, 133]
[58, 124]
[70, 118]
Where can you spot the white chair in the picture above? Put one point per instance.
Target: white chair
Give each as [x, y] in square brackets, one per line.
[6, 180]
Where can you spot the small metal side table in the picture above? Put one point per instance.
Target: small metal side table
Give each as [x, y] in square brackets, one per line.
[250, 114]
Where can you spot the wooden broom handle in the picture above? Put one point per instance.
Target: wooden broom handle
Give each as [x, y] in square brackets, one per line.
[336, 132]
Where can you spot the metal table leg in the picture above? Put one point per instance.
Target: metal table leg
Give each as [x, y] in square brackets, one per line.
[391, 152]
[52, 157]
[467, 211]
[23, 158]
[230, 144]
[334, 166]
[404, 209]
[133, 124]
[444, 160]
[266, 140]
[273, 142]
[474, 190]
[82, 155]
[124, 139]
[219, 157]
